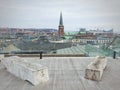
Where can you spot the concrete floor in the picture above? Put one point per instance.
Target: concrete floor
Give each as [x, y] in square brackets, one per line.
[65, 73]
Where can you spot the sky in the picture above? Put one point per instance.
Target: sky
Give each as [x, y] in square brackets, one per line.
[90, 14]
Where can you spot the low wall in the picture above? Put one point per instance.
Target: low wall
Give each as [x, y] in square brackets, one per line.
[46, 55]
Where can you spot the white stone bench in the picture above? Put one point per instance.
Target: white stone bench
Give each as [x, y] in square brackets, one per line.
[1, 57]
[94, 70]
[32, 72]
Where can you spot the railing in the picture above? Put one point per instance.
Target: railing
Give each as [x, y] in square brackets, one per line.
[25, 52]
[74, 51]
[93, 51]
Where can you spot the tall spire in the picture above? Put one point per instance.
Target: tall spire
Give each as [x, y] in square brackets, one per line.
[61, 20]
[61, 26]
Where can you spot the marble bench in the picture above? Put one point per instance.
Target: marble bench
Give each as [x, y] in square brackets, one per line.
[32, 72]
[94, 70]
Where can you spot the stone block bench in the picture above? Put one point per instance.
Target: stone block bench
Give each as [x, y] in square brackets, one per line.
[94, 70]
[32, 72]
[1, 57]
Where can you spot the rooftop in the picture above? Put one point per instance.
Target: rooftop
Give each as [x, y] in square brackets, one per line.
[79, 49]
[66, 73]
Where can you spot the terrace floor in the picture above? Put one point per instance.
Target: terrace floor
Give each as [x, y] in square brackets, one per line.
[65, 73]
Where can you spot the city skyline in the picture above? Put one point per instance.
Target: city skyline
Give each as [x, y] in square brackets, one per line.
[91, 14]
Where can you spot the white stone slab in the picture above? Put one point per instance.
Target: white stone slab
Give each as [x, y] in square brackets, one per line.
[1, 56]
[94, 70]
[32, 72]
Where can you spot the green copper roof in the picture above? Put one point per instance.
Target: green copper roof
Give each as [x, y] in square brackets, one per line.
[71, 33]
[61, 20]
[72, 50]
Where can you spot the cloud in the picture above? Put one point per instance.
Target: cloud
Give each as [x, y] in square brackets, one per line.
[45, 13]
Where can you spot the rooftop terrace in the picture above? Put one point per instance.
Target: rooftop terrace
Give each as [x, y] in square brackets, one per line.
[66, 73]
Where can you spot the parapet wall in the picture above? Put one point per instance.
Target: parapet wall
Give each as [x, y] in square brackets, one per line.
[47, 55]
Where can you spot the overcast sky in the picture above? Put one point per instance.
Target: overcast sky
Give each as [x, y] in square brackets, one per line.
[90, 14]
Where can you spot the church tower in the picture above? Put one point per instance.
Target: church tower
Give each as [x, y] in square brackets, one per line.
[61, 27]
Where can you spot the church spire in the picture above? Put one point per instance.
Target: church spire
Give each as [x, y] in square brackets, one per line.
[61, 20]
[61, 26]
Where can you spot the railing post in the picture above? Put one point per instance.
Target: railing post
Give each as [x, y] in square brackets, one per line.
[114, 54]
[40, 55]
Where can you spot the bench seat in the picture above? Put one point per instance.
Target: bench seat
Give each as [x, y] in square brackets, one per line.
[32, 72]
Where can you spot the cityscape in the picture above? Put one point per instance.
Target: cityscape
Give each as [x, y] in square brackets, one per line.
[54, 41]
[59, 45]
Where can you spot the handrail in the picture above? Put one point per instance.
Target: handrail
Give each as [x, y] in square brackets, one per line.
[26, 52]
